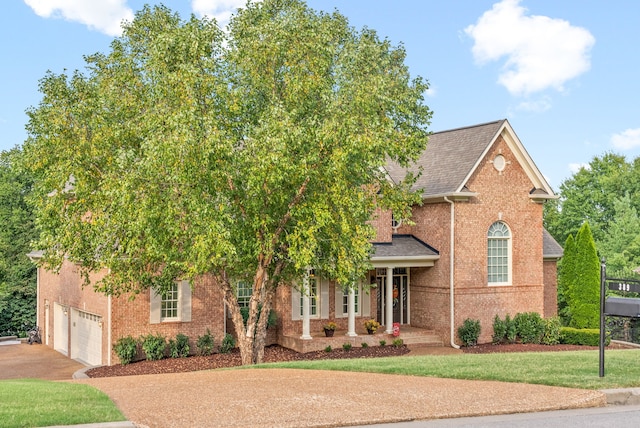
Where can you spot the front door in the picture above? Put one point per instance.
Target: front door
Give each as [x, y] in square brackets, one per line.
[400, 294]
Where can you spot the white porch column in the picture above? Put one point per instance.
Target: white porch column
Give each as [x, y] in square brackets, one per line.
[388, 302]
[351, 325]
[306, 324]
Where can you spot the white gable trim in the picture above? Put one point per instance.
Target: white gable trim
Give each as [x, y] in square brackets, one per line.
[522, 156]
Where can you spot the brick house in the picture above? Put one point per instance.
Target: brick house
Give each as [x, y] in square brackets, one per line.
[478, 248]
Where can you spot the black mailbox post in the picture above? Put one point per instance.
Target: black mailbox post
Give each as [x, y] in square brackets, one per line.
[622, 307]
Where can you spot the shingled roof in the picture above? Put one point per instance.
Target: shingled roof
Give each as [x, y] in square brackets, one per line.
[550, 247]
[452, 156]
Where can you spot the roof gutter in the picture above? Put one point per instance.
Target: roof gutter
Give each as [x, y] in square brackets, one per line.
[451, 265]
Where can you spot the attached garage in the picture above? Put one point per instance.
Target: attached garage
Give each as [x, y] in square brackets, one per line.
[86, 337]
[60, 329]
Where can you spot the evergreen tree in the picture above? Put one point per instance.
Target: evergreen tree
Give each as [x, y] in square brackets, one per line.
[566, 272]
[584, 291]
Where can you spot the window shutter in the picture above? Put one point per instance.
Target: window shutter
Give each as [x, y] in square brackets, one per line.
[295, 304]
[339, 295]
[185, 301]
[365, 301]
[155, 303]
[324, 298]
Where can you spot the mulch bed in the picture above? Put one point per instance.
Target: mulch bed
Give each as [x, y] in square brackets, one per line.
[272, 354]
[277, 353]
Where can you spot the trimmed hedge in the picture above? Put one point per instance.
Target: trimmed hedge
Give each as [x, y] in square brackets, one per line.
[583, 336]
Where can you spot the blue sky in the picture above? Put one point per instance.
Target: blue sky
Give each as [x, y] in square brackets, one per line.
[564, 73]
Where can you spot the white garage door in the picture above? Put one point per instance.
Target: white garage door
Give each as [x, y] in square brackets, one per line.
[86, 337]
[60, 329]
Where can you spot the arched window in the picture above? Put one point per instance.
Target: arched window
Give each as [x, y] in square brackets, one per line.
[499, 254]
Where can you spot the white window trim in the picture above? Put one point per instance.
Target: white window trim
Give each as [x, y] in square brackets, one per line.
[509, 240]
[364, 302]
[321, 296]
[184, 305]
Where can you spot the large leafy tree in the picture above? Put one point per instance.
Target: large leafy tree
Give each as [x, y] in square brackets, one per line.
[17, 272]
[620, 245]
[249, 155]
[589, 195]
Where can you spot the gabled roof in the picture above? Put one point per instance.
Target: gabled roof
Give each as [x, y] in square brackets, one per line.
[451, 157]
[403, 251]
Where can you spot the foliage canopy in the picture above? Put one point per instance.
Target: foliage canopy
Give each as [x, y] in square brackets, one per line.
[249, 155]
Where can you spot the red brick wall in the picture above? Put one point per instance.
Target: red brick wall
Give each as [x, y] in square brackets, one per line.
[128, 316]
[65, 289]
[131, 317]
[500, 197]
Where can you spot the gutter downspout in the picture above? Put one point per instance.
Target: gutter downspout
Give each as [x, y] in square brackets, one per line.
[451, 266]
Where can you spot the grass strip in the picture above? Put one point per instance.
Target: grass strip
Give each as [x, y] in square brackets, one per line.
[39, 403]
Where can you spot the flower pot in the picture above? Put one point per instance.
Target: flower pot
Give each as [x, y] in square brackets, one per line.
[370, 331]
[328, 333]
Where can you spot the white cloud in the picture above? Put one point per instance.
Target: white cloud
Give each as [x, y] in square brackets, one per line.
[541, 52]
[627, 139]
[221, 10]
[575, 167]
[103, 15]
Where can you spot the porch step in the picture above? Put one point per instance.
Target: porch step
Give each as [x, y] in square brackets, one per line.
[417, 338]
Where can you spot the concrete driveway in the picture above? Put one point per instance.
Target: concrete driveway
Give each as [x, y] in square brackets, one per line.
[35, 361]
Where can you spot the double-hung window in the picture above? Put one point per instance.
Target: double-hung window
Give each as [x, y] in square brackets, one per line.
[313, 295]
[171, 305]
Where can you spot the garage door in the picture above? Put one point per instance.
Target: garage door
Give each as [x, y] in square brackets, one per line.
[60, 329]
[86, 337]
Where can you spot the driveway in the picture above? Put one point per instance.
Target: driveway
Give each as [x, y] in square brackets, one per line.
[35, 361]
[295, 398]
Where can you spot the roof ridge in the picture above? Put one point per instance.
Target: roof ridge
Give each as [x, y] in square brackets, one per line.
[469, 126]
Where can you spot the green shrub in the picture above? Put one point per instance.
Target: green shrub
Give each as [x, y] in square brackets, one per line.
[499, 330]
[383, 342]
[179, 348]
[584, 336]
[154, 346]
[228, 343]
[551, 335]
[397, 342]
[364, 345]
[469, 332]
[328, 349]
[529, 327]
[346, 346]
[512, 332]
[126, 348]
[205, 344]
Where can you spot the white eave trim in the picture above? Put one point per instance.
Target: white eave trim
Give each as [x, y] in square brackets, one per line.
[454, 196]
[404, 261]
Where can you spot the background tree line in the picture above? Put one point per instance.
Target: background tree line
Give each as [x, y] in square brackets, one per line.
[596, 217]
[17, 272]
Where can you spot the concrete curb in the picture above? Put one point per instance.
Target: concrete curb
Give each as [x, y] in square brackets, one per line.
[626, 396]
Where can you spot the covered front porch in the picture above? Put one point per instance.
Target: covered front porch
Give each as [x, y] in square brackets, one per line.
[389, 306]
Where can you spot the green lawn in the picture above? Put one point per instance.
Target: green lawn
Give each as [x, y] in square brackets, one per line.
[38, 403]
[577, 369]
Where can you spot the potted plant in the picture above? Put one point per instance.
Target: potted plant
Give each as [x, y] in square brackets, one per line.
[329, 328]
[371, 325]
